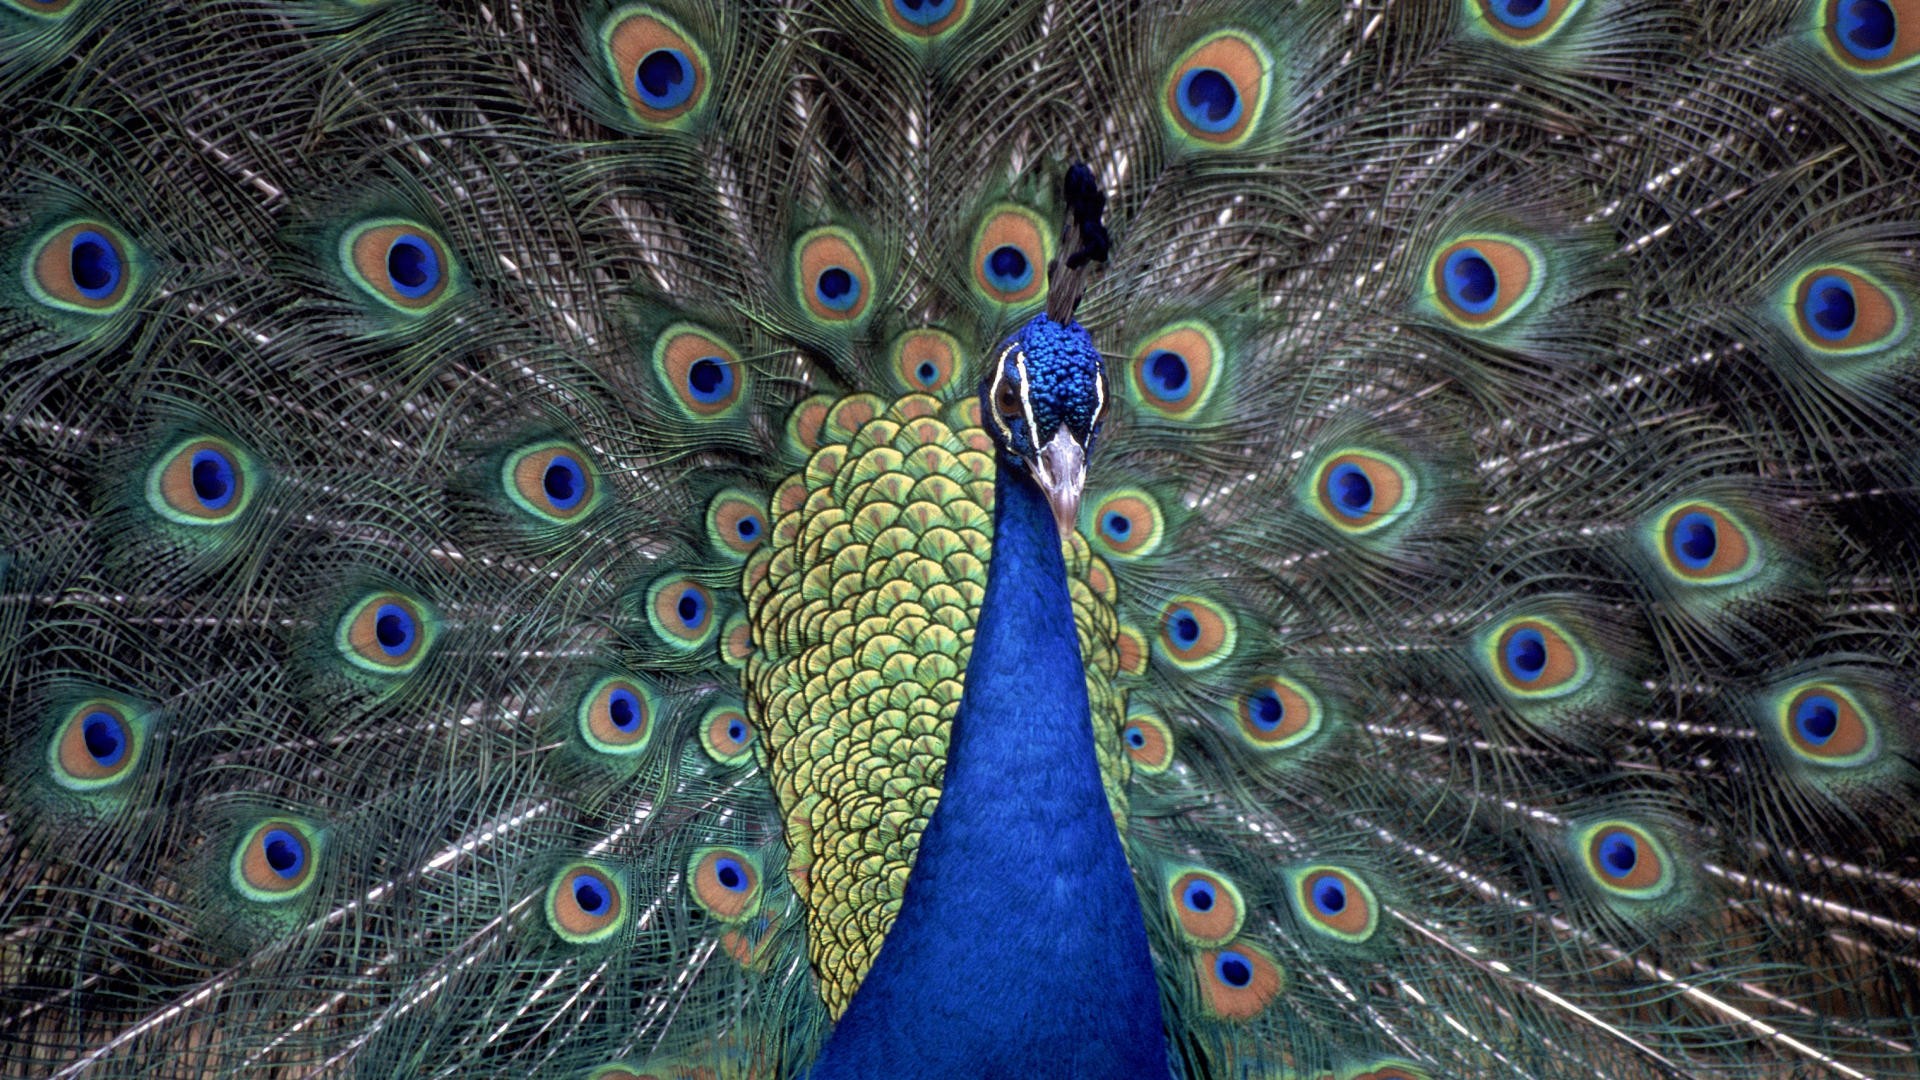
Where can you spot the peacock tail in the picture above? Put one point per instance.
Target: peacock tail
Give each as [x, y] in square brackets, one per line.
[501, 500]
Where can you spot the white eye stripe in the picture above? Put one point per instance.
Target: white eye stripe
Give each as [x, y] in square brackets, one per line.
[993, 394]
[1026, 390]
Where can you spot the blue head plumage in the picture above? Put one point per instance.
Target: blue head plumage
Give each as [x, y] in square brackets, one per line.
[1044, 401]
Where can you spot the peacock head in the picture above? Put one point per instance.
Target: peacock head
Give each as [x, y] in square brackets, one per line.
[1044, 399]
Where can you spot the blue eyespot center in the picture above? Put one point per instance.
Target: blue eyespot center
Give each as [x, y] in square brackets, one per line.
[1817, 718]
[1135, 737]
[1520, 14]
[1618, 854]
[105, 739]
[692, 608]
[94, 265]
[565, 482]
[1868, 28]
[393, 629]
[624, 710]
[924, 12]
[212, 476]
[730, 874]
[837, 288]
[1167, 375]
[926, 373]
[1266, 710]
[1527, 655]
[1008, 268]
[1234, 970]
[664, 79]
[1351, 490]
[748, 527]
[284, 852]
[1185, 628]
[1330, 896]
[1830, 308]
[1695, 539]
[1199, 896]
[1209, 100]
[710, 379]
[737, 731]
[591, 895]
[1471, 281]
[412, 266]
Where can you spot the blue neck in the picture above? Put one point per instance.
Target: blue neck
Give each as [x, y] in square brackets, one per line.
[1019, 949]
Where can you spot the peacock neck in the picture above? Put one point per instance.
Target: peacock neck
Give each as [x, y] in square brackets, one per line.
[1019, 947]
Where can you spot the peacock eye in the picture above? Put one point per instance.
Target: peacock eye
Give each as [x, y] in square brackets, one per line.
[1006, 399]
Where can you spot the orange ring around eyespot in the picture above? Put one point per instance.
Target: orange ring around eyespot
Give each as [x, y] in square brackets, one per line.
[825, 249]
[1245, 65]
[1875, 316]
[632, 40]
[1021, 229]
[1906, 42]
[1556, 11]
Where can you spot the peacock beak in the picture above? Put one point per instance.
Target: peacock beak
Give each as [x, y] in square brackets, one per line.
[1061, 471]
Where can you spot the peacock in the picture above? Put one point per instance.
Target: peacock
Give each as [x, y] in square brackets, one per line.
[1256, 539]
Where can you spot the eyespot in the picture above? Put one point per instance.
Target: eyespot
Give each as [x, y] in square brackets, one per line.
[1359, 492]
[1871, 36]
[1526, 22]
[400, 263]
[727, 735]
[204, 481]
[1824, 723]
[726, 882]
[662, 74]
[586, 903]
[1149, 743]
[1335, 902]
[1703, 544]
[924, 19]
[275, 862]
[1010, 255]
[700, 371]
[1172, 372]
[736, 523]
[680, 610]
[386, 633]
[834, 279]
[554, 481]
[1206, 907]
[616, 716]
[1625, 860]
[1237, 983]
[1195, 634]
[1537, 659]
[1127, 524]
[83, 266]
[926, 360]
[1482, 281]
[1216, 92]
[1277, 712]
[97, 745]
[1840, 310]
[736, 640]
